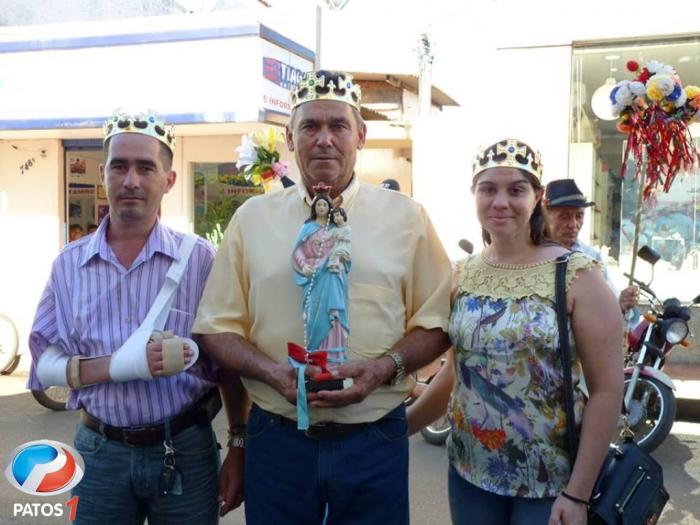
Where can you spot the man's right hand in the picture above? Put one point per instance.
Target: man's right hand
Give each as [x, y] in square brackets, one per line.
[283, 378]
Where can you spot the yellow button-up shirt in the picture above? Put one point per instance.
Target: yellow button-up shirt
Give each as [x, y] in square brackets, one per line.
[399, 280]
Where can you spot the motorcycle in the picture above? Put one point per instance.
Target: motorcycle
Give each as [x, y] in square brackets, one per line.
[649, 401]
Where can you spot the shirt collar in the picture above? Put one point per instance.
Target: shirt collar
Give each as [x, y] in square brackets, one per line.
[159, 240]
[347, 196]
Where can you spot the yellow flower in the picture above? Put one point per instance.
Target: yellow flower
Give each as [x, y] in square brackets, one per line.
[654, 93]
[692, 91]
[267, 139]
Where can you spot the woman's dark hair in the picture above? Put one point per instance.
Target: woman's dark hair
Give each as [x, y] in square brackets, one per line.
[342, 213]
[537, 217]
[328, 200]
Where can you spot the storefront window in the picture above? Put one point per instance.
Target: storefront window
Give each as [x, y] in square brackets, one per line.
[86, 197]
[218, 192]
[670, 222]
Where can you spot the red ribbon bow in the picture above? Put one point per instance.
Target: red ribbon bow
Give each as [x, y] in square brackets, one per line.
[300, 355]
[319, 358]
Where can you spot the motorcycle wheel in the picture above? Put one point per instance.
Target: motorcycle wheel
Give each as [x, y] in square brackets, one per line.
[9, 343]
[54, 397]
[11, 367]
[651, 421]
[436, 433]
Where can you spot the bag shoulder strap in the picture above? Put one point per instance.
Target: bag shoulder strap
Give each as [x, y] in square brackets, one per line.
[565, 355]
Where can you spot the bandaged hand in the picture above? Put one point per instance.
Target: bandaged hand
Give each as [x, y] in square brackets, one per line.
[154, 355]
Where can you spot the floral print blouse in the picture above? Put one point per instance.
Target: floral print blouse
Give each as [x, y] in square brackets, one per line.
[507, 407]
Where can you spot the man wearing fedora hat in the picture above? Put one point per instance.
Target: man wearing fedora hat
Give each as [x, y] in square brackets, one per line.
[564, 208]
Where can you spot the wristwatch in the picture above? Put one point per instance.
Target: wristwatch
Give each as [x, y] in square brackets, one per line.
[237, 436]
[400, 373]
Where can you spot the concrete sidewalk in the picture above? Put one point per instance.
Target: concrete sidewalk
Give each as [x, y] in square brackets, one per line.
[687, 380]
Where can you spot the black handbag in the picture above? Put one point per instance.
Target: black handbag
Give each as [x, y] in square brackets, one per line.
[630, 486]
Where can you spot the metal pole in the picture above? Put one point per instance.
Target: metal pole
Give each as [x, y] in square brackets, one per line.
[637, 219]
[317, 57]
[425, 66]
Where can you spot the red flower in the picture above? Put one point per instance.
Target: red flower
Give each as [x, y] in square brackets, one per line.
[269, 174]
[632, 65]
[492, 439]
[644, 76]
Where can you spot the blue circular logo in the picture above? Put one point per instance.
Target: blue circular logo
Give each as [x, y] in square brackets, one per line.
[45, 468]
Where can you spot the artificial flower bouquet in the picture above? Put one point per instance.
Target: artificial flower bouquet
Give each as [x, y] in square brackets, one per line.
[655, 110]
[259, 160]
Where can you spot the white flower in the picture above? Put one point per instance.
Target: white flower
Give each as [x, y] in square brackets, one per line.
[659, 68]
[665, 83]
[624, 95]
[246, 153]
[653, 66]
[637, 88]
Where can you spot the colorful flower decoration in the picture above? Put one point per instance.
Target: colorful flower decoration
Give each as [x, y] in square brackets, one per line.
[259, 159]
[655, 110]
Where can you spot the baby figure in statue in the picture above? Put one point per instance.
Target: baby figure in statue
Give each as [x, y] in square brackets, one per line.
[341, 235]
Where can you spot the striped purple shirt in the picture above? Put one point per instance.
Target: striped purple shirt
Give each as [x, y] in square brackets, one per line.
[92, 304]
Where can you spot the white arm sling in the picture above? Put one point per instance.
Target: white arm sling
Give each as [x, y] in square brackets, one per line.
[130, 361]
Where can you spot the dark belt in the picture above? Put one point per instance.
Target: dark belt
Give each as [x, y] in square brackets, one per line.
[200, 413]
[320, 431]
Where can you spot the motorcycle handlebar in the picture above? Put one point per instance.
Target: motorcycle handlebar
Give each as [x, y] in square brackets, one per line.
[642, 286]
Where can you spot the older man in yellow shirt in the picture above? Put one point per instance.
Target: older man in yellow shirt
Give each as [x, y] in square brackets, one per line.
[351, 464]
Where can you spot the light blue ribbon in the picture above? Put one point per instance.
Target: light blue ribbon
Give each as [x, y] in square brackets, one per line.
[302, 405]
[302, 408]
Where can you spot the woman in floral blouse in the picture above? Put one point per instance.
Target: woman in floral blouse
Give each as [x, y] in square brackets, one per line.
[508, 454]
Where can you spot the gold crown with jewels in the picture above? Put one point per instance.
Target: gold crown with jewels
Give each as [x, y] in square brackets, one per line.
[326, 85]
[509, 153]
[148, 123]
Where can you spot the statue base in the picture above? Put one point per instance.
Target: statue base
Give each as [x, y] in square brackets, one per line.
[328, 384]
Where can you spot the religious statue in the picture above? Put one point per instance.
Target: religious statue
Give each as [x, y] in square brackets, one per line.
[321, 263]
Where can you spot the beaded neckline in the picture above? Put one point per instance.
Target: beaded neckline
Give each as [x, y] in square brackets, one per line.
[514, 266]
[478, 276]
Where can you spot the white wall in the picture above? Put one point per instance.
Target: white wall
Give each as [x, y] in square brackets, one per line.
[31, 226]
[375, 165]
[544, 22]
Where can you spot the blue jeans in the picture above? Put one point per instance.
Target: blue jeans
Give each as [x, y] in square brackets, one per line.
[471, 505]
[360, 478]
[121, 481]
